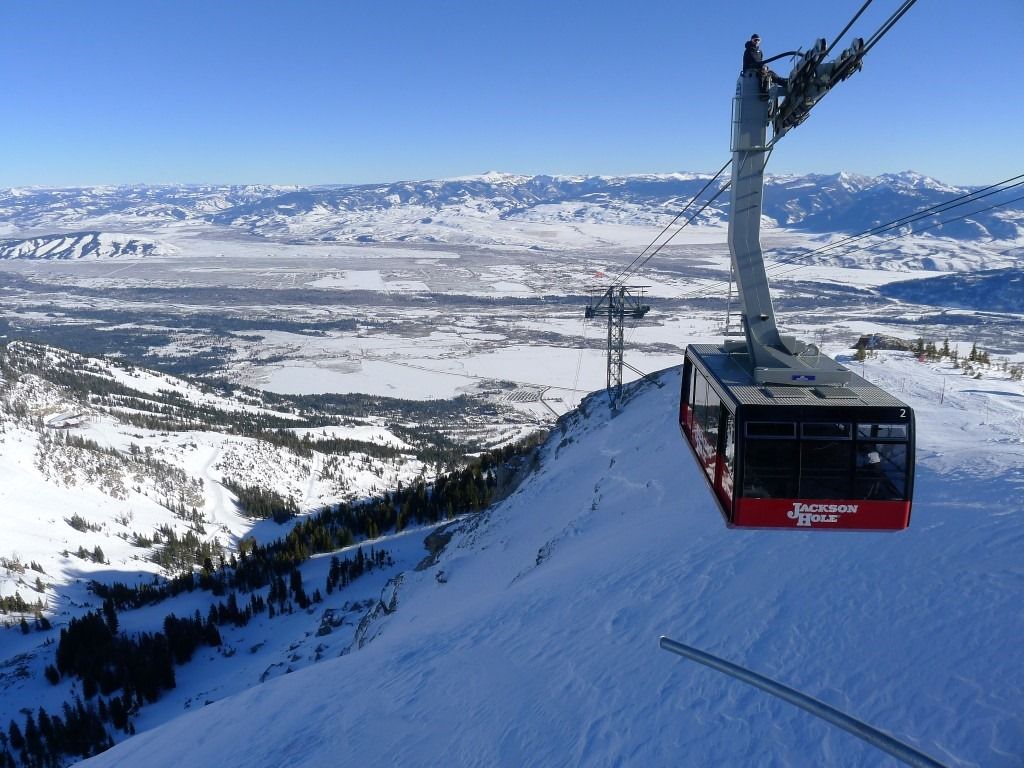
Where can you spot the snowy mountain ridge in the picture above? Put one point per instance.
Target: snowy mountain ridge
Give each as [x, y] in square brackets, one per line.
[458, 210]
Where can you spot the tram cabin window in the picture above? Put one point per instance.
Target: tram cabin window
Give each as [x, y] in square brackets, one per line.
[729, 455]
[881, 469]
[771, 429]
[770, 460]
[709, 422]
[882, 432]
[826, 451]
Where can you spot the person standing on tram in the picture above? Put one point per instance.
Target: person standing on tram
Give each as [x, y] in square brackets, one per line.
[752, 62]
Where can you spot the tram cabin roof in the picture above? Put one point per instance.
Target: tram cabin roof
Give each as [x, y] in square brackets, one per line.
[733, 376]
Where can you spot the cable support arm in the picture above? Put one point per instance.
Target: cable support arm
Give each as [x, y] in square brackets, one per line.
[812, 77]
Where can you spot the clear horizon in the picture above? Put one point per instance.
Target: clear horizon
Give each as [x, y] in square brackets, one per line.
[200, 184]
[314, 93]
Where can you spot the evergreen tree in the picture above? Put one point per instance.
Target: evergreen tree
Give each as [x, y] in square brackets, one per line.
[16, 738]
[110, 615]
[33, 740]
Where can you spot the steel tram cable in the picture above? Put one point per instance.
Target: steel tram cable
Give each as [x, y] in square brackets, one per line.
[712, 199]
[927, 213]
[942, 207]
[846, 29]
[701, 191]
[889, 24]
[717, 284]
[712, 288]
[695, 215]
[683, 226]
[914, 232]
[625, 272]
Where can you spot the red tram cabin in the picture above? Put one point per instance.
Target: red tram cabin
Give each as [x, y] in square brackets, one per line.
[801, 457]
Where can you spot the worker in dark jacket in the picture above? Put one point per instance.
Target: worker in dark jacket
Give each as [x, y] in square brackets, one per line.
[752, 54]
[752, 62]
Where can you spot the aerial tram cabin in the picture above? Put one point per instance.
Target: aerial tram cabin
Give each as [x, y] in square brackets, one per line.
[780, 456]
[785, 436]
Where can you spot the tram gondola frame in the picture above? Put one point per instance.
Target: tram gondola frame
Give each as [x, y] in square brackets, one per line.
[797, 457]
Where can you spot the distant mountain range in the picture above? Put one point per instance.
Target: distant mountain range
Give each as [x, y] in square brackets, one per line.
[452, 210]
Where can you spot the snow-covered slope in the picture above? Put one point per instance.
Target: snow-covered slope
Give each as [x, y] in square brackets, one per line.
[91, 484]
[83, 245]
[533, 640]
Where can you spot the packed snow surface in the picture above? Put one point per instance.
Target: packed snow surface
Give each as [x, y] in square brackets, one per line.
[534, 638]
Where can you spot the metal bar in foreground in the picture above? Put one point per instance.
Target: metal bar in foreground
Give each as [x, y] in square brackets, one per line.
[873, 736]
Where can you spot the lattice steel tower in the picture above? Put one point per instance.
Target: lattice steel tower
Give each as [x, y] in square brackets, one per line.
[615, 303]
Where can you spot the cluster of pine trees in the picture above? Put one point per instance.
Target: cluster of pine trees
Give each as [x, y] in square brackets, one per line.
[333, 528]
[344, 572]
[135, 668]
[930, 351]
[45, 740]
[91, 649]
[16, 604]
[263, 503]
[96, 555]
[180, 554]
[970, 363]
[139, 668]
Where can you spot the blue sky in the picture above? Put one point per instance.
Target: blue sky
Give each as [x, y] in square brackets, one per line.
[317, 92]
